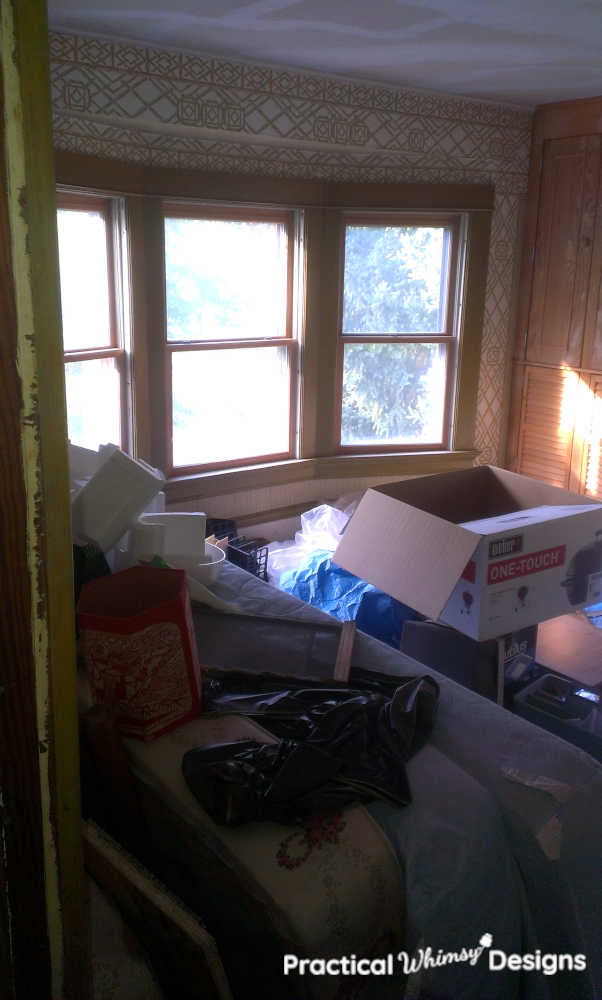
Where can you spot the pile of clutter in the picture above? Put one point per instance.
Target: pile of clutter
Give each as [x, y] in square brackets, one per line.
[136, 569]
[118, 507]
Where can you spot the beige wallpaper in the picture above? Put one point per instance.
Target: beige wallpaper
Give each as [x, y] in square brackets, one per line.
[167, 108]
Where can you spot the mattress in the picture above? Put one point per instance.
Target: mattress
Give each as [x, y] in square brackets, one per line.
[317, 889]
[501, 842]
[541, 795]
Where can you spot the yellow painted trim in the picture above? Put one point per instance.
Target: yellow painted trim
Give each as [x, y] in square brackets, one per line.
[30, 443]
[32, 207]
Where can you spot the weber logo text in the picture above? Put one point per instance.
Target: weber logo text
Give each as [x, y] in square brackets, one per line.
[505, 546]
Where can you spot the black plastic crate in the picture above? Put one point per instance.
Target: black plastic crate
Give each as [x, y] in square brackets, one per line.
[250, 554]
[221, 527]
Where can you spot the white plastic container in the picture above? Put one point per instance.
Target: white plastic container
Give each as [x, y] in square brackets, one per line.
[112, 499]
[176, 535]
[207, 569]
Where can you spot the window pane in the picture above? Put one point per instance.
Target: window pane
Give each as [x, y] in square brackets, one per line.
[395, 279]
[84, 279]
[393, 393]
[230, 404]
[93, 402]
[225, 280]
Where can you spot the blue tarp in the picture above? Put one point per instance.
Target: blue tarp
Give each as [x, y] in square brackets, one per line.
[320, 582]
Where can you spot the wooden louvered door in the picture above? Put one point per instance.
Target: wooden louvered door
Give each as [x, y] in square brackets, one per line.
[550, 400]
[555, 431]
[592, 451]
[563, 250]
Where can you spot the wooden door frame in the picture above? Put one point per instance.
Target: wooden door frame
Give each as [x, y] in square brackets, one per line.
[43, 938]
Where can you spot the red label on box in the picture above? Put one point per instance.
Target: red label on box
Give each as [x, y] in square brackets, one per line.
[470, 571]
[533, 562]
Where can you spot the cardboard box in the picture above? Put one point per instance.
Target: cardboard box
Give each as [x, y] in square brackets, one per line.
[494, 668]
[484, 550]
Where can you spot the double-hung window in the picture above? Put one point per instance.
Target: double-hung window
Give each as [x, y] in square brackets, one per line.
[92, 332]
[265, 333]
[229, 345]
[397, 331]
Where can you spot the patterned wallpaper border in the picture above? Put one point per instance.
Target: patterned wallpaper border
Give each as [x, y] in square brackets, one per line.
[183, 66]
[161, 107]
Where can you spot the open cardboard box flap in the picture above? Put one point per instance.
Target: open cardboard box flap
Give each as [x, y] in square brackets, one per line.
[408, 539]
[413, 556]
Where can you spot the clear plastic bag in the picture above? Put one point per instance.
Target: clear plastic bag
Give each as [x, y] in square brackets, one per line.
[304, 567]
[321, 529]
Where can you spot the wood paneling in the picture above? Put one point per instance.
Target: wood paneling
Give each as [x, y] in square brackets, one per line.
[565, 118]
[592, 341]
[563, 252]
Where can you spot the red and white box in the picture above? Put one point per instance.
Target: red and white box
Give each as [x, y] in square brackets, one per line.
[484, 550]
[138, 643]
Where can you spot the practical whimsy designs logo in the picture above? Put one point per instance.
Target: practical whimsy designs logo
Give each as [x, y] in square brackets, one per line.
[424, 958]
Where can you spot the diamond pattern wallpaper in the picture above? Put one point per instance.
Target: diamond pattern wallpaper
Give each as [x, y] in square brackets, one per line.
[173, 109]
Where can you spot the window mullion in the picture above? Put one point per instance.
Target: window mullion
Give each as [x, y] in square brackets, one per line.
[149, 328]
[468, 358]
[318, 348]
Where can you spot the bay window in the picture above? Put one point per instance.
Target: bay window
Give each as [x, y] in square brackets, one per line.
[321, 330]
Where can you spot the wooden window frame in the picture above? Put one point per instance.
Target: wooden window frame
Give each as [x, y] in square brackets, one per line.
[68, 201]
[319, 204]
[448, 337]
[232, 213]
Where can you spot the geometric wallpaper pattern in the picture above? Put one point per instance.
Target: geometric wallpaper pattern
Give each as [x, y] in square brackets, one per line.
[161, 107]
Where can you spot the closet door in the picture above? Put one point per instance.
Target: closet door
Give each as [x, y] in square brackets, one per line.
[550, 400]
[563, 253]
[592, 452]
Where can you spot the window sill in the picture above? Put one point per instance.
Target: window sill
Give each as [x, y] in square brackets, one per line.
[208, 484]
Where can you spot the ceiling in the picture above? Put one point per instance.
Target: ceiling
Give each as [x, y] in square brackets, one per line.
[522, 52]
